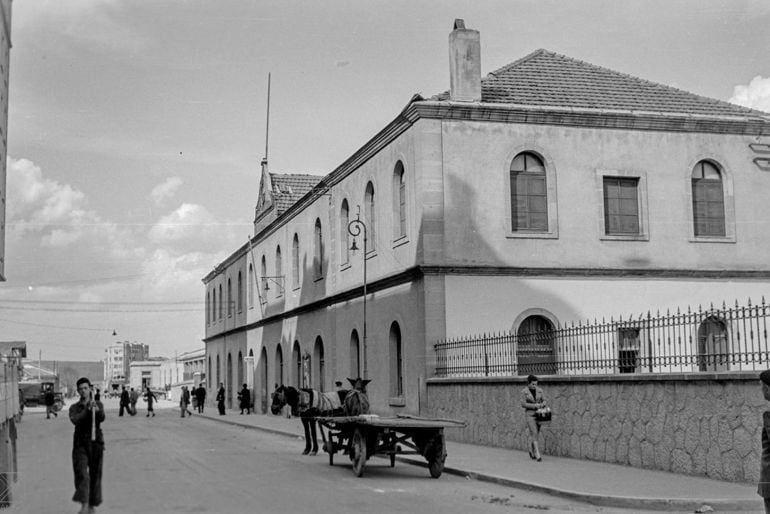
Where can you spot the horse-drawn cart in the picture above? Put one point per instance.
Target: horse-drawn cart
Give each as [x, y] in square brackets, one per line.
[366, 435]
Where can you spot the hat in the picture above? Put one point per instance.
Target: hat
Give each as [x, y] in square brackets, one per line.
[765, 376]
[338, 383]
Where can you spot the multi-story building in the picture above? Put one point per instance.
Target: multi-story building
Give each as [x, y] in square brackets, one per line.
[118, 361]
[550, 190]
[186, 369]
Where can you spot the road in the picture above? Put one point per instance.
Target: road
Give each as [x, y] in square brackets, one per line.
[168, 464]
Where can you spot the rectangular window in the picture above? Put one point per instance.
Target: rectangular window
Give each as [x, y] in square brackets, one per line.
[621, 206]
[708, 207]
[529, 202]
[628, 350]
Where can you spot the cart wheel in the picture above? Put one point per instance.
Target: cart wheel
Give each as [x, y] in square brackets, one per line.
[358, 452]
[438, 456]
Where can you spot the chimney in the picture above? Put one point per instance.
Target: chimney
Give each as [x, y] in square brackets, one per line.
[464, 64]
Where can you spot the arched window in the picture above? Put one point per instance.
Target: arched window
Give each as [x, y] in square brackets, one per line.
[399, 202]
[396, 362]
[214, 305]
[370, 217]
[355, 355]
[535, 349]
[250, 287]
[229, 379]
[263, 274]
[295, 262]
[708, 203]
[278, 365]
[239, 371]
[229, 297]
[219, 373]
[529, 202]
[278, 271]
[221, 301]
[713, 345]
[240, 292]
[318, 257]
[318, 357]
[344, 234]
[265, 382]
[208, 375]
[296, 358]
[208, 308]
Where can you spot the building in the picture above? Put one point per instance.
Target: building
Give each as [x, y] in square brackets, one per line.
[117, 363]
[187, 369]
[144, 374]
[549, 191]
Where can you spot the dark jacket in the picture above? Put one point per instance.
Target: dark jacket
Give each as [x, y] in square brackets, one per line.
[80, 415]
[49, 398]
[245, 398]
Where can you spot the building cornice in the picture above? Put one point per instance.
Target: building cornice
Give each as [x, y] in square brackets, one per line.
[417, 272]
[590, 118]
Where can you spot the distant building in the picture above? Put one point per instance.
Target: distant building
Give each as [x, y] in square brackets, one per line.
[118, 361]
[187, 369]
[145, 374]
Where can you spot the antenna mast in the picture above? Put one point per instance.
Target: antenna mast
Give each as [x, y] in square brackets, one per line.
[267, 121]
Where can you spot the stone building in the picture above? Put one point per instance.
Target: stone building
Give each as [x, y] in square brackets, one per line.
[548, 191]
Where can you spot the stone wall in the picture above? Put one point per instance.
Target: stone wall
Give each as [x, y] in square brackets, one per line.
[705, 424]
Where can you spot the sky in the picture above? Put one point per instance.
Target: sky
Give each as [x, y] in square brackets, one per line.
[136, 129]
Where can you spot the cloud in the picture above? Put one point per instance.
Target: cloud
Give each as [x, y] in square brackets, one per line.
[756, 95]
[192, 228]
[166, 189]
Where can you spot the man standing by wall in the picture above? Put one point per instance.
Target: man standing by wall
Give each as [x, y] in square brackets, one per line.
[87, 447]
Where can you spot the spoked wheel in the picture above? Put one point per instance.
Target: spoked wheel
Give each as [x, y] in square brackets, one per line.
[358, 452]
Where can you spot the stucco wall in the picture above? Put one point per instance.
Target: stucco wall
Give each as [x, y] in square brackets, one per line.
[693, 424]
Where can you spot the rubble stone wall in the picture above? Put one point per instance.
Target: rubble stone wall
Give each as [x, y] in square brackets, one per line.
[705, 424]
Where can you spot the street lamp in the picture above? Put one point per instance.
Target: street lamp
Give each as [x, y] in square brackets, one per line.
[355, 227]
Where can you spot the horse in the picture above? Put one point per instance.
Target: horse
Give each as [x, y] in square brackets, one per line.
[308, 403]
[356, 401]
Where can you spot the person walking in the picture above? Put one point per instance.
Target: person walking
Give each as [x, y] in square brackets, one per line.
[763, 489]
[50, 400]
[245, 399]
[201, 398]
[87, 447]
[221, 399]
[133, 397]
[194, 397]
[125, 401]
[184, 401]
[150, 397]
[532, 399]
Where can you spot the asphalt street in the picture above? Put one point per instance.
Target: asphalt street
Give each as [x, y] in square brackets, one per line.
[168, 464]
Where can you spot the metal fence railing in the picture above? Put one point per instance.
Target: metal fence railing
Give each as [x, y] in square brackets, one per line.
[713, 339]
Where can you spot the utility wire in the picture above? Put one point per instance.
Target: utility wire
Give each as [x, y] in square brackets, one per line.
[56, 326]
[51, 309]
[74, 302]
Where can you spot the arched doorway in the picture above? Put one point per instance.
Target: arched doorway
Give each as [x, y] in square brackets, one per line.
[535, 350]
[296, 359]
[265, 392]
[713, 345]
[396, 362]
[355, 355]
[279, 380]
[229, 380]
[319, 381]
[239, 372]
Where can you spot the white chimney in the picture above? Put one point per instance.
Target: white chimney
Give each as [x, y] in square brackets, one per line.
[464, 64]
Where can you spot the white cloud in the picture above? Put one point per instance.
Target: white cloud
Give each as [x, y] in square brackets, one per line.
[192, 228]
[755, 95]
[166, 189]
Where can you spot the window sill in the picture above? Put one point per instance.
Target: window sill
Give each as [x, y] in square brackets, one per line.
[318, 279]
[712, 239]
[401, 241]
[345, 266]
[370, 254]
[532, 235]
[624, 237]
[397, 402]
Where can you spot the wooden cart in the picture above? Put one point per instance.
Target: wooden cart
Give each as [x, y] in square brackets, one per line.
[363, 436]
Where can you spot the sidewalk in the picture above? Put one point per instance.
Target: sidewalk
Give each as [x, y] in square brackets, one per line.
[599, 483]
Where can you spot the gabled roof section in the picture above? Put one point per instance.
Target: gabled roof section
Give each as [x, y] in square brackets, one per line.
[290, 187]
[548, 79]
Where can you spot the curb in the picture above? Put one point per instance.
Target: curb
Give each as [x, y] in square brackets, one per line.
[627, 502]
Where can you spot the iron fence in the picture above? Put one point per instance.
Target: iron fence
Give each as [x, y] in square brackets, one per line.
[702, 340]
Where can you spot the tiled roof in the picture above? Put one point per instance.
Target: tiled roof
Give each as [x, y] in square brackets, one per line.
[548, 79]
[290, 187]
